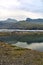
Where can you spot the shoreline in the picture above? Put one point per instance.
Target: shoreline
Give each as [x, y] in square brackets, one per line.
[18, 30]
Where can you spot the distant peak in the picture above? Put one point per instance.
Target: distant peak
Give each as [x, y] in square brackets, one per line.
[34, 20]
[11, 20]
[28, 19]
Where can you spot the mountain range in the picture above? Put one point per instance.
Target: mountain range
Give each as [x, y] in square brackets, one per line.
[34, 20]
[24, 24]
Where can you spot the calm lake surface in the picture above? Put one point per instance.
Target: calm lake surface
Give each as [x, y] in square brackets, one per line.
[14, 41]
[33, 46]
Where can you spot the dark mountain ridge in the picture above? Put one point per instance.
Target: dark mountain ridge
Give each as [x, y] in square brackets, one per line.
[34, 20]
[29, 24]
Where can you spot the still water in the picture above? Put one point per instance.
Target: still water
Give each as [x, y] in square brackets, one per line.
[33, 46]
[12, 30]
[33, 41]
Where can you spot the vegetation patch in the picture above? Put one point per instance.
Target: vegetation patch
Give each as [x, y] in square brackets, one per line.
[13, 55]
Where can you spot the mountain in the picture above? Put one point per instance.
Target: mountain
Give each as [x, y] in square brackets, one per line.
[11, 20]
[13, 55]
[30, 24]
[34, 20]
[28, 19]
[9, 23]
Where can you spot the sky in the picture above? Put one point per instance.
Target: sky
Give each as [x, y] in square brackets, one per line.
[21, 9]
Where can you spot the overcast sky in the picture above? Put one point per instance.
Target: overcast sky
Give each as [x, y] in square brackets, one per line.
[21, 9]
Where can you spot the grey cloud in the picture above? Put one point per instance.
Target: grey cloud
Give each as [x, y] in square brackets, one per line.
[32, 5]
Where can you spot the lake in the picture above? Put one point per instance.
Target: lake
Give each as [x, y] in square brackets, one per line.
[34, 42]
[12, 30]
[33, 46]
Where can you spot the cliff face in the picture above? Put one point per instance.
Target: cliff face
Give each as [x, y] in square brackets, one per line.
[12, 55]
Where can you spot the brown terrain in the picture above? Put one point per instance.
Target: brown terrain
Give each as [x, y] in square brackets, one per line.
[12, 55]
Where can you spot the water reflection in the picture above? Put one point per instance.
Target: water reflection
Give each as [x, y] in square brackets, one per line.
[34, 46]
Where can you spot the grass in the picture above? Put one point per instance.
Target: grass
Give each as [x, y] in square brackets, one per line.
[30, 25]
[13, 55]
[4, 33]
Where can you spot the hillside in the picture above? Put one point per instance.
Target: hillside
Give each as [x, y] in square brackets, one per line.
[31, 24]
[12, 55]
[34, 20]
[8, 23]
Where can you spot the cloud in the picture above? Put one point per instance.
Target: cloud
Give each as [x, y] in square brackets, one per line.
[9, 4]
[18, 14]
[21, 9]
[32, 5]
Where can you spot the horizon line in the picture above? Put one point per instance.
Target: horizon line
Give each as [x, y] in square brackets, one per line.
[19, 20]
